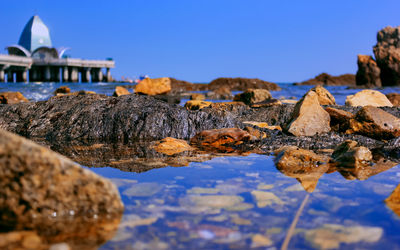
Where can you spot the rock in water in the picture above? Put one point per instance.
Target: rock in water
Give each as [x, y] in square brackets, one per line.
[368, 97]
[394, 98]
[375, 123]
[157, 86]
[387, 54]
[171, 146]
[12, 97]
[38, 184]
[393, 201]
[62, 90]
[324, 97]
[368, 73]
[308, 117]
[120, 91]
[251, 96]
[349, 155]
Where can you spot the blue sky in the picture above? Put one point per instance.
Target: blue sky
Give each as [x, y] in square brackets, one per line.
[280, 41]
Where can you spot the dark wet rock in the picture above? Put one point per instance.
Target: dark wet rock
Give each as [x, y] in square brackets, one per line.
[242, 84]
[62, 90]
[223, 140]
[197, 105]
[273, 115]
[251, 96]
[156, 86]
[12, 98]
[119, 90]
[96, 118]
[222, 93]
[304, 165]
[326, 79]
[368, 97]
[324, 97]
[368, 73]
[375, 123]
[171, 99]
[394, 98]
[308, 117]
[38, 184]
[340, 119]
[197, 97]
[387, 54]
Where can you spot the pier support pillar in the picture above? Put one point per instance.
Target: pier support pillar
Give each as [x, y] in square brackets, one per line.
[74, 75]
[85, 75]
[47, 74]
[108, 75]
[2, 74]
[65, 74]
[97, 75]
[22, 76]
[10, 76]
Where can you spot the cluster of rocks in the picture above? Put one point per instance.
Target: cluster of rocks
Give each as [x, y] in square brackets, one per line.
[384, 70]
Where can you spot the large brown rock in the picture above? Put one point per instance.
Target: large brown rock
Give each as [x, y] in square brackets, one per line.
[251, 96]
[340, 119]
[12, 97]
[304, 165]
[157, 86]
[308, 117]
[375, 123]
[368, 97]
[324, 97]
[38, 184]
[241, 84]
[387, 54]
[326, 79]
[368, 73]
[394, 98]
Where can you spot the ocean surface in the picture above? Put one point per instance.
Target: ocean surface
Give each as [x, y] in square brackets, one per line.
[245, 202]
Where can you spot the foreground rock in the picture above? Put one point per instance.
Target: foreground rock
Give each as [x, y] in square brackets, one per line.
[251, 96]
[242, 84]
[157, 86]
[37, 184]
[340, 119]
[308, 117]
[387, 54]
[12, 97]
[349, 155]
[368, 73]
[324, 97]
[394, 98]
[375, 123]
[326, 79]
[120, 91]
[368, 97]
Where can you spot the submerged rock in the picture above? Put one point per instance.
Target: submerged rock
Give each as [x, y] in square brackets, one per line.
[12, 97]
[308, 117]
[120, 91]
[157, 86]
[324, 97]
[251, 96]
[38, 184]
[368, 97]
[368, 73]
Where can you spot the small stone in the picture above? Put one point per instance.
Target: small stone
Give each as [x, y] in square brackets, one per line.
[171, 146]
[324, 97]
[218, 138]
[157, 86]
[308, 117]
[368, 97]
[12, 98]
[197, 97]
[252, 96]
[120, 91]
[255, 132]
[196, 105]
[62, 90]
[349, 155]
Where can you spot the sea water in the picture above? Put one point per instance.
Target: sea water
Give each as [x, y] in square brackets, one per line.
[243, 202]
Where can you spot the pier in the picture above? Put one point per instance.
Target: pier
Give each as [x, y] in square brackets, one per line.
[34, 59]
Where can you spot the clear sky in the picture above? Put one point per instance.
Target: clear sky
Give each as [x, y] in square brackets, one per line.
[280, 41]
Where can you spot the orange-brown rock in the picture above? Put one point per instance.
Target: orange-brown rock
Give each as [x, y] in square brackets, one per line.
[340, 119]
[368, 97]
[326, 79]
[304, 165]
[38, 184]
[394, 98]
[368, 74]
[197, 97]
[62, 90]
[157, 86]
[12, 97]
[364, 172]
[172, 146]
[251, 96]
[266, 103]
[324, 97]
[119, 90]
[375, 123]
[196, 105]
[222, 93]
[308, 117]
[255, 132]
[220, 139]
[393, 201]
[349, 155]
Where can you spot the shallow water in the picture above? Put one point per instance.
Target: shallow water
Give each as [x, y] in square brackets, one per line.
[241, 202]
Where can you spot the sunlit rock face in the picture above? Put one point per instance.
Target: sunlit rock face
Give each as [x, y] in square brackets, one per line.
[38, 184]
[251, 96]
[157, 86]
[393, 201]
[172, 146]
[12, 97]
[368, 74]
[119, 90]
[324, 96]
[368, 97]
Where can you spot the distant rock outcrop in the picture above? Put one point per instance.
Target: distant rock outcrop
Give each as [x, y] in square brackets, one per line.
[326, 79]
[368, 73]
[242, 84]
